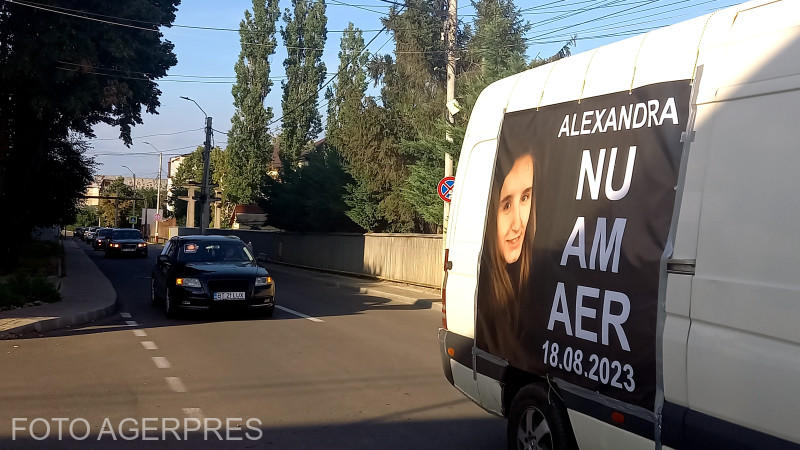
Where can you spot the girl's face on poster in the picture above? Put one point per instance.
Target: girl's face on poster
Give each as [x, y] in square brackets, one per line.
[514, 208]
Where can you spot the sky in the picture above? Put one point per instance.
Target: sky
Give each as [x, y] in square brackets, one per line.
[206, 58]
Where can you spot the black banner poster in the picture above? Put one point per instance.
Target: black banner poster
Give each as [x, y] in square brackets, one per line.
[578, 218]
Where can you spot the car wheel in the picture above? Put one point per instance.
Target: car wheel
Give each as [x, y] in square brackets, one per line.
[169, 305]
[538, 421]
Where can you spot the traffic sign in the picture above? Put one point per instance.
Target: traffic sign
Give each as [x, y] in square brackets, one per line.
[157, 217]
[132, 219]
[445, 188]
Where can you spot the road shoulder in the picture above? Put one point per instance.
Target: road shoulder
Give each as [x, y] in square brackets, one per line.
[412, 295]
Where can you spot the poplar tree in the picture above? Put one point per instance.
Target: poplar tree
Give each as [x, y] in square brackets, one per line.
[304, 36]
[349, 133]
[249, 150]
[499, 41]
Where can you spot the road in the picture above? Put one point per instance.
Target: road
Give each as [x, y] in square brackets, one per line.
[361, 372]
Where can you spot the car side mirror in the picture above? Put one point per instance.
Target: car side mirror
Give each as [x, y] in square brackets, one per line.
[261, 260]
[163, 258]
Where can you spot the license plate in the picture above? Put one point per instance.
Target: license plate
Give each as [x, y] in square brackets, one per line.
[128, 249]
[229, 296]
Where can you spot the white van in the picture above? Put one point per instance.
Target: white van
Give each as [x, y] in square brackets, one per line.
[623, 263]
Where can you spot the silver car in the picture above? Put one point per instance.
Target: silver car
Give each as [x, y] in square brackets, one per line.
[90, 233]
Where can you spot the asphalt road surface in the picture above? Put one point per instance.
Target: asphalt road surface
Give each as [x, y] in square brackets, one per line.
[359, 372]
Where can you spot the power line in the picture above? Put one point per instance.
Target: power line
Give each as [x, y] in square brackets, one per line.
[338, 3]
[70, 12]
[165, 151]
[143, 78]
[316, 94]
[152, 135]
[613, 14]
[277, 77]
[81, 17]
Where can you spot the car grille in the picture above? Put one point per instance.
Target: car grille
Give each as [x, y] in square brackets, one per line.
[129, 246]
[228, 285]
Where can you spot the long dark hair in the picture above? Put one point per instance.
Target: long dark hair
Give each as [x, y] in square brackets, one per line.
[506, 281]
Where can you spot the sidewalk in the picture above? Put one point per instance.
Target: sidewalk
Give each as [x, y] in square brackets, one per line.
[403, 293]
[86, 295]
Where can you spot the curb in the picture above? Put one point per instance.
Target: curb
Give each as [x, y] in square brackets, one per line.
[55, 323]
[67, 320]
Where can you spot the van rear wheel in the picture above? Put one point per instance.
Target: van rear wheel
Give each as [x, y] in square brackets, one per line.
[538, 423]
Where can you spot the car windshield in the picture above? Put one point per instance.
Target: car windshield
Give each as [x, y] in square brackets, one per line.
[104, 233]
[214, 251]
[126, 234]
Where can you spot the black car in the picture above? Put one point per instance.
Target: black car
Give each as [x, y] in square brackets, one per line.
[101, 238]
[126, 241]
[205, 272]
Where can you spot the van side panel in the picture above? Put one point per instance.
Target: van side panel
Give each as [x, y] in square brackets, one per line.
[468, 207]
[744, 343]
[598, 435]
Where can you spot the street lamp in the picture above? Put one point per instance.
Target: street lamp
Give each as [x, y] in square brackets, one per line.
[158, 188]
[134, 191]
[189, 99]
[206, 160]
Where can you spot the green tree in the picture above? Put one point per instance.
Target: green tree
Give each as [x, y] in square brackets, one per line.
[499, 40]
[150, 196]
[304, 35]
[115, 212]
[346, 94]
[412, 106]
[312, 197]
[59, 76]
[87, 216]
[346, 131]
[249, 150]
[494, 50]
[191, 171]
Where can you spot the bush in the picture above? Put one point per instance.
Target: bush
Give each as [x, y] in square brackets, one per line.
[21, 289]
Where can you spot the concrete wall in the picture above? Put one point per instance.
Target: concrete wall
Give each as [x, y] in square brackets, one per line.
[409, 258]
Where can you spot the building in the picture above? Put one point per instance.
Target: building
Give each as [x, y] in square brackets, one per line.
[172, 170]
[101, 181]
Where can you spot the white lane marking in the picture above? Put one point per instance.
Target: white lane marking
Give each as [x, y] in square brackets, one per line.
[149, 345]
[298, 314]
[140, 333]
[125, 315]
[175, 384]
[131, 323]
[193, 413]
[161, 362]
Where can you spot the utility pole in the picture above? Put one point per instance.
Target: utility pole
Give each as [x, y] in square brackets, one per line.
[134, 193]
[206, 161]
[158, 192]
[204, 189]
[450, 29]
[158, 188]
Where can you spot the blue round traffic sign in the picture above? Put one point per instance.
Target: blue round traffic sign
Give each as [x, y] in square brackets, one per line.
[445, 188]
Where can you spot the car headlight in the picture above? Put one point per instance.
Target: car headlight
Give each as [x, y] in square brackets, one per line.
[114, 245]
[263, 281]
[188, 282]
[142, 244]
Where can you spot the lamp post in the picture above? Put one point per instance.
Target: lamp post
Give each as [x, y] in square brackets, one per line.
[206, 160]
[134, 192]
[158, 188]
